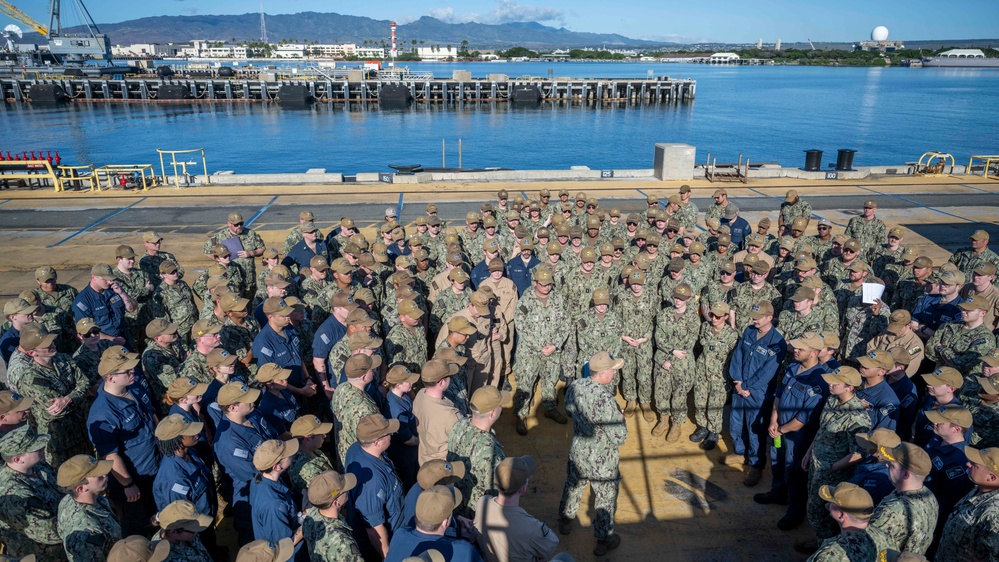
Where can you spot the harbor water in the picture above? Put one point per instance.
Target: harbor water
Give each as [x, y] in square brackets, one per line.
[769, 114]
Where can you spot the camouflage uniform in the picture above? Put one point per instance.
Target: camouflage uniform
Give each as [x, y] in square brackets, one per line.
[966, 260]
[88, 360]
[68, 428]
[986, 421]
[59, 314]
[16, 367]
[196, 367]
[29, 506]
[349, 405]
[861, 325]
[789, 212]
[710, 382]
[304, 468]
[238, 340]
[870, 233]
[578, 290]
[970, 530]
[471, 243]
[150, 265]
[329, 539]
[192, 551]
[447, 303]
[853, 545]
[636, 316]
[714, 211]
[673, 384]
[908, 519]
[88, 531]
[481, 452]
[794, 326]
[592, 333]
[598, 429]
[838, 424]
[337, 359]
[714, 292]
[687, 215]
[176, 303]
[908, 291]
[234, 274]
[161, 365]
[744, 298]
[955, 346]
[250, 241]
[406, 346]
[539, 322]
[134, 284]
[316, 295]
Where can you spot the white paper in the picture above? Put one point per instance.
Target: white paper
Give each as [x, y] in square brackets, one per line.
[872, 291]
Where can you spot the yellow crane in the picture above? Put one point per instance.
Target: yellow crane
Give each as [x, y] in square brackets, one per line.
[11, 11]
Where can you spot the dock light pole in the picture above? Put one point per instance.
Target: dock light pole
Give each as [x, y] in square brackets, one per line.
[394, 52]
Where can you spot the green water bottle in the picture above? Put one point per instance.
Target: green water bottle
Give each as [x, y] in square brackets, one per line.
[777, 442]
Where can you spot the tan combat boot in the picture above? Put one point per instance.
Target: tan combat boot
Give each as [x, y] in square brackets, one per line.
[674, 433]
[629, 409]
[648, 413]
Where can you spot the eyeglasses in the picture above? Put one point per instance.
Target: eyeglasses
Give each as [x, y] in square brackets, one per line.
[824, 228]
[845, 250]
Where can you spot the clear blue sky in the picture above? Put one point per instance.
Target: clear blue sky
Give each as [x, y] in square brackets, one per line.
[734, 21]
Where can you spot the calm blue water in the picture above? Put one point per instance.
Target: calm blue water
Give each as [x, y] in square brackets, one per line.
[767, 113]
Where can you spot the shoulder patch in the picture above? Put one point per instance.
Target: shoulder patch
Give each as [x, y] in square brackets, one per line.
[955, 472]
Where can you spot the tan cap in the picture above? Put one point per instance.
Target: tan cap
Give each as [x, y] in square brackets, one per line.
[683, 292]
[944, 375]
[719, 309]
[436, 504]
[910, 456]
[979, 235]
[761, 309]
[269, 372]
[185, 386]
[262, 551]
[124, 251]
[870, 204]
[219, 357]
[902, 356]
[488, 398]
[799, 223]
[401, 374]
[235, 217]
[221, 250]
[13, 402]
[275, 280]
[992, 358]
[360, 317]
[512, 473]
[79, 468]
[277, 306]
[850, 498]
[830, 340]
[375, 426]
[727, 266]
[761, 268]
[103, 271]
[950, 278]
[791, 196]
[151, 237]
[543, 277]
[158, 327]
[989, 458]
[601, 296]
[950, 413]
[922, 262]
[440, 473]
[803, 294]
[326, 487]
[844, 375]
[137, 548]
[35, 336]
[976, 302]
[309, 425]
[984, 268]
[461, 325]
[895, 232]
[359, 364]
[204, 328]
[604, 362]
[881, 437]
[117, 360]
[271, 452]
[237, 393]
[411, 309]
[898, 320]
[808, 340]
[436, 369]
[45, 273]
[877, 359]
[805, 264]
[182, 514]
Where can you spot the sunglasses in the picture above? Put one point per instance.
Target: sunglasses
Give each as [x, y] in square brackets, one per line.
[92, 333]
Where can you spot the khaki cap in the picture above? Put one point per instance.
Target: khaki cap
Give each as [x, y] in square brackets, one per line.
[727, 266]
[270, 372]
[870, 204]
[375, 426]
[805, 264]
[221, 250]
[137, 548]
[852, 244]
[575, 232]
[488, 398]
[787, 243]
[588, 255]
[830, 340]
[951, 413]
[803, 294]
[676, 265]
[185, 386]
[277, 306]
[543, 277]
[275, 280]
[235, 217]
[790, 196]
[922, 262]
[731, 210]
[359, 364]
[899, 319]
[20, 441]
[944, 375]
[401, 374]
[233, 303]
[37, 337]
[761, 267]
[363, 295]
[881, 437]
[440, 473]
[979, 235]
[175, 425]
[902, 356]
[437, 369]
[219, 357]
[326, 487]
[461, 325]
[410, 308]
[496, 264]
[604, 362]
[724, 240]
[719, 309]
[637, 277]
[989, 458]
[895, 232]
[204, 328]
[182, 514]
[950, 278]
[124, 251]
[910, 456]
[103, 271]
[860, 266]
[877, 359]
[850, 498]
[761, 309]
[262, 551]
[45, 273]
[754, 240]
[158, 327]
[683, 292]
[601, 296]
[151, 237]
[363, 340]
[436, 504]
[813, 282]
[808, 340]
[844, 375]
[271, 452]
[318, 263]
[79, 468]
[984, 268]
[360, 317]
[457, 275]
[910, 253]
[13, 402]
[309, 425]
[992, 358]
[512, 473]
[719, 192]
[976, 302]
[554, 247]
[117, 360]
[237, 393]
[450, 355]
[490, 245]
[799, 223]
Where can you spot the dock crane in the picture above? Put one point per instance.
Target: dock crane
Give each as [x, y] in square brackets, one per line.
[810, 44]
[66, 48]
[11, 11]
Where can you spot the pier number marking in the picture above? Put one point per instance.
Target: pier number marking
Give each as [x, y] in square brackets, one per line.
[606, 174]
[385, 177]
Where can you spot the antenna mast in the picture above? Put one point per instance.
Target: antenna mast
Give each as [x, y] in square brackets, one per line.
[263, 25]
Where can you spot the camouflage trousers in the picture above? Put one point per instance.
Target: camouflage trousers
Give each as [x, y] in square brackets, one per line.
[531, 368]
[636, 375]
[818, 516]
[710, 393]
[42, 552]
[673, 385]
[605, 499]
[68, 439]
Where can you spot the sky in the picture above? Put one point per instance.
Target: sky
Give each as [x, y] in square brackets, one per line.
[728, 21]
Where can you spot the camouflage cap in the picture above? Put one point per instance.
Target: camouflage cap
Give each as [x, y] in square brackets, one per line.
[329, 485]
[21, 440]
[262, 551]
[137, 548]
[79, 468]
[850, 498]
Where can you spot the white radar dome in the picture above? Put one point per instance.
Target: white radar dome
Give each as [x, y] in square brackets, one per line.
[880, 33]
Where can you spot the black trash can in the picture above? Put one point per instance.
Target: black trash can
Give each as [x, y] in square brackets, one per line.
[813, 160]
[844, 160]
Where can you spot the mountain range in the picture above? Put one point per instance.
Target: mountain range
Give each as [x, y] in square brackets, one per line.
[332, 27]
